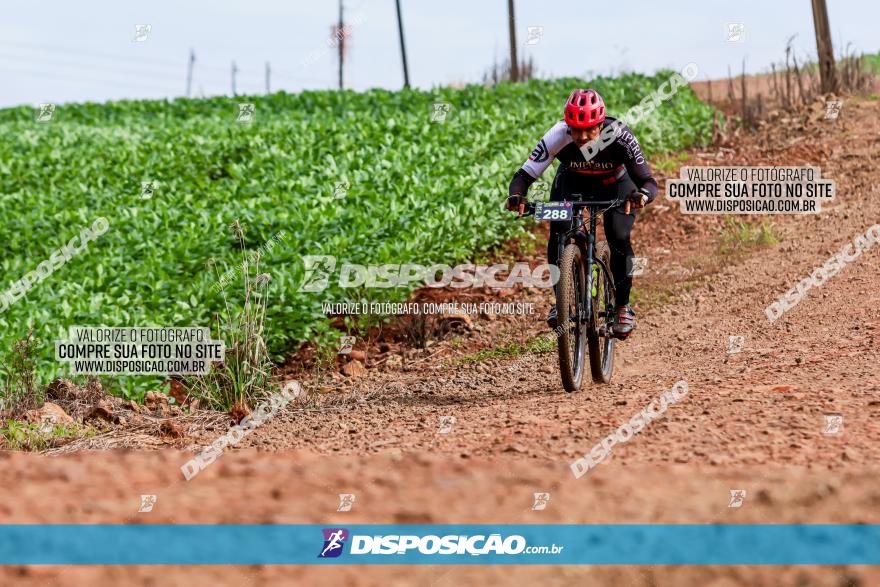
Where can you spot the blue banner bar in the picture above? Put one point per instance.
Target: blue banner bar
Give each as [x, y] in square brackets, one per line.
[616, 544]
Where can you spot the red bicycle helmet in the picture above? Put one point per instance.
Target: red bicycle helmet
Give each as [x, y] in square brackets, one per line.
[584, 109]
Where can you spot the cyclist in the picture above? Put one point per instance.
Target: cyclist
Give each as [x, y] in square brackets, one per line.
[604, 170]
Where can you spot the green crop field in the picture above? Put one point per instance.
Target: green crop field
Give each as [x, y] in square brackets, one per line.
[872, 62]
[419, 192]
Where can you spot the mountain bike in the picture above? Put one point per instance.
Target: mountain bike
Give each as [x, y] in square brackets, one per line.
[584, 292]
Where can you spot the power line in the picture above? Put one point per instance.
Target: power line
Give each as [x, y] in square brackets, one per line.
[250, 80]
[168, 88]
[76, 64]
[128, 85]
[68, 63]
[114, 83]
[99, 68]
[99, 55]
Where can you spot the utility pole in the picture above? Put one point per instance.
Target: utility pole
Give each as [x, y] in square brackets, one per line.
[402, 47]
[824, 48]
[268, 74]
[189, 72]
[234, 71]
[511, 22]
[340, 42]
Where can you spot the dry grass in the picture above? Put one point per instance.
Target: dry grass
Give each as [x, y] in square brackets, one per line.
[149, 434]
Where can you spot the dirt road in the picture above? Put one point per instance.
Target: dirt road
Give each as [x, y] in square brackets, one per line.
[765, 404]
[752, 420]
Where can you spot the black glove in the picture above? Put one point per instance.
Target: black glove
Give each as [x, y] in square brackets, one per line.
[514, 201]
[640, 198]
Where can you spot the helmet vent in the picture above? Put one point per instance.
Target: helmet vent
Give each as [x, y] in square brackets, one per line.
[584, 109]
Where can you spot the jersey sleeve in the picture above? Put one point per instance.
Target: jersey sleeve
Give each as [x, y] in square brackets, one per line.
[635, 162]
[519, 185]
[547, 149]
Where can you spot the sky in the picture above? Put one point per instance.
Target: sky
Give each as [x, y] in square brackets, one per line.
[60, 51]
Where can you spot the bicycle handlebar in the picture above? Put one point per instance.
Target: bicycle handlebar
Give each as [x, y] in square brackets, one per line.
[577, 204]
[597, 203]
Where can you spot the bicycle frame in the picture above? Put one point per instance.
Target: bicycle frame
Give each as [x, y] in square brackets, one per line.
[586, 240]
[583, 324]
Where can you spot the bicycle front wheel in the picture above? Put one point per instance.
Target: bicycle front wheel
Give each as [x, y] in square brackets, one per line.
[571, 332]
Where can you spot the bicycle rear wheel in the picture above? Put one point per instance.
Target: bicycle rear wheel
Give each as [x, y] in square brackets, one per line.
[570, 332]
[599, 336]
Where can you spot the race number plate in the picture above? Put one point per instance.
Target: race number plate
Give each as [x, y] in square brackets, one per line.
[553, 211]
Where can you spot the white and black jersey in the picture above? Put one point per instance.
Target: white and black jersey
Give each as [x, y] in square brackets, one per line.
[588, 167]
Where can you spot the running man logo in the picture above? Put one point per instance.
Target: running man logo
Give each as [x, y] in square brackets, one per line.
[534, 34]
[636, 266]
[346, 501]
[46, 112]
[334, 541]
[541, 501]
[446, 423]
[148, 188]
[538, 190]
[147, 503]
[832, 109]
[141, 32]
[317, 272]
[246, 112]
[737, 497]
[441, 109]
[346, 344]
[735, 344]
[735, 32]
[833, 424]
[341, 190]
[48, 423]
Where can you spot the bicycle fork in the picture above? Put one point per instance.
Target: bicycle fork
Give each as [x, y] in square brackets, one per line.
[592, 270]
[589, 265]
[590, 274]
